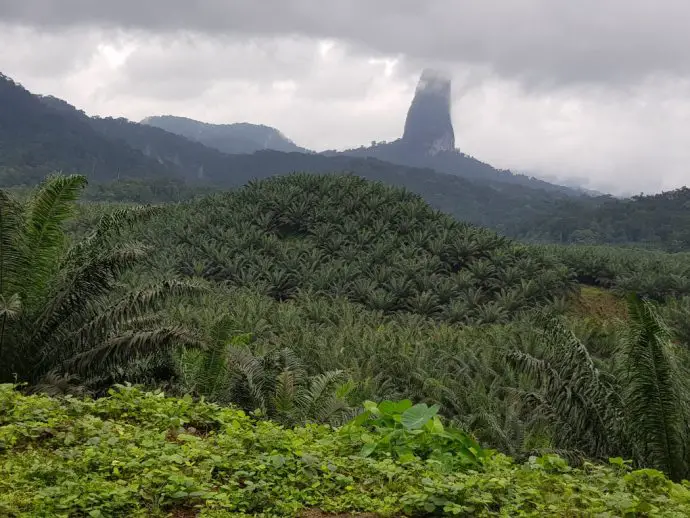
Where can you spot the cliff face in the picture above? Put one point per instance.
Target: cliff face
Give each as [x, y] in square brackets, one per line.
[428, 126]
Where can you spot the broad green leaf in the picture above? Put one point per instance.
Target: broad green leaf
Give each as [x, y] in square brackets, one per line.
[394, 407]
[368, 449]
[417, 416]
[372, 407]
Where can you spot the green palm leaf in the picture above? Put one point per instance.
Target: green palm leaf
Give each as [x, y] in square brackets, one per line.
[44, 237]
[653, 393]
[129, 346]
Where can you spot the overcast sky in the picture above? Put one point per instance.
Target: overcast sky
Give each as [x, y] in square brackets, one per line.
[597, 90]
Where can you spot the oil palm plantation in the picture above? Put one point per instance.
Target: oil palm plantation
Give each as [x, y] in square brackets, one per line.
[339, 235]
[63, 315]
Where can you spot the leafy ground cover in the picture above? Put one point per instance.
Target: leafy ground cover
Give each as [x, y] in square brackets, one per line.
[138, 453]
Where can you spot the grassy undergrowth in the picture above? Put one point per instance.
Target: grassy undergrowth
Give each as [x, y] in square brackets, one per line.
[144, 454]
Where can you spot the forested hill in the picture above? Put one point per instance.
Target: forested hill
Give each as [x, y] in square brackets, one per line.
[456, 163]
[373, 244]
[36, 140]
[238, 138]
[659, 221]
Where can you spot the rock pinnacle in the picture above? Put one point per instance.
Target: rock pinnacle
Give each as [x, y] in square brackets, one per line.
[428, 126]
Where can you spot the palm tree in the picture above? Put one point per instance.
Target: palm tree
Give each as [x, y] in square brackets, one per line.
[653, 392]
[637, 410]
[59, 313]
[272, 382]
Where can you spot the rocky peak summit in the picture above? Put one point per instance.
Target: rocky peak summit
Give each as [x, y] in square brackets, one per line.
[428, 126]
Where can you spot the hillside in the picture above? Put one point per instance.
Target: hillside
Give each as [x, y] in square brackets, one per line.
[238, 138]
[456, 163]
[333, 345]
[36, 140]
[39, 135]
[340, 235]
[498, 206]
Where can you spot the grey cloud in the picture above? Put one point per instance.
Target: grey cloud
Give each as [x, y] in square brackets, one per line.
[559, 41]
[179, 68]
[45, 54]
[190, 66]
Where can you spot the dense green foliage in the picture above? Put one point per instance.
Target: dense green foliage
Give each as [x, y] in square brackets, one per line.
[269, 381]
[160, 190]
[634, 407]
[407, 432]
[477, 375]
[39, 135]
[306, 300]
[651, 274]
[59, 313]
[142, 454]
[340, 235]
[661, 221]
[334, 344]
[36, 140]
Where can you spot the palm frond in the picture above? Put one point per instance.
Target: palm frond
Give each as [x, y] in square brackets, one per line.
[55, 384]
[128, 346]
[10, 307]
[110, 225]
[48, 208]
[11, 242]
[582, 403]
[325, 404]
[133, 305]
[653, 394]
[249, 387]
[77, 288]
[286, 395]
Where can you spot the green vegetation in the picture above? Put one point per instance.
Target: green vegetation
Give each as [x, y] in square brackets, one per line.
[343, 236]
[333, 345]
[635, 408]
[36, 140]
[126, 161]
[659, 221]
[651, 274]
[40, 135]
[58, 316]
[142, 454]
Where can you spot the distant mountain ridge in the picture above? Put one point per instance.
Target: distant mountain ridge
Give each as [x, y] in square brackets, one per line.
[428, 140]
[43, 134]
[38, 138]
[237, 138]
[40, 135]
